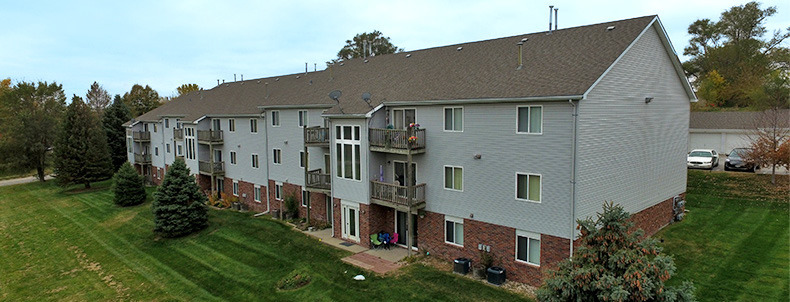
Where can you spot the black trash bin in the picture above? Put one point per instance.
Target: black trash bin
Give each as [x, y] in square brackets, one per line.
[461, 266]
[496, 275]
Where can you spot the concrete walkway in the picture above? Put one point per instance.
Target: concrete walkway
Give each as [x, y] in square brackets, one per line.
[380, 260]
[23, 180]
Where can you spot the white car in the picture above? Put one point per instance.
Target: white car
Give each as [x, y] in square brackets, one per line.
[702, 158]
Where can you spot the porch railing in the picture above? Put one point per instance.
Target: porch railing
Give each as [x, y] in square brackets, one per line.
[209, 136]
[142, 158]
[316, 135]
[396, 194]
[397, 139]
[178, 133]
[319, 180]
[208, 167]
[141, 136]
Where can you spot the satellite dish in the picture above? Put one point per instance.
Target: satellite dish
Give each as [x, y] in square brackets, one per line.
[335, 95]
[366, 97]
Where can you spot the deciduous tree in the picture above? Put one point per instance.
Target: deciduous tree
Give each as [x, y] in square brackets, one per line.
[179, 208]
[614, 263]
[81, 154]
[367, 45]
[98, 98]
[112, 122]
[771, 128]
[30, 115]
[128, 186]
[141, 99]
[186, 88]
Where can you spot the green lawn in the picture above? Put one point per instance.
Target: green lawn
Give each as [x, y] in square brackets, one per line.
[57, 245]
[735, 241]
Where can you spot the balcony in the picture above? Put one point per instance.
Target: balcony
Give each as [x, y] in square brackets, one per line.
[209, 137]
[394, 195]
[397, 141]
[141, 136]
[318, 181]
[208, 168]
[181, 157]
[178, 133]
[142, 159]
[316, 137]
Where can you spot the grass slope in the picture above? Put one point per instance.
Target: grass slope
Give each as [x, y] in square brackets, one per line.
[60, 245]
[735, 241]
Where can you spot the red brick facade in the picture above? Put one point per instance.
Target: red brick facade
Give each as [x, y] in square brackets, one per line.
[654, 218]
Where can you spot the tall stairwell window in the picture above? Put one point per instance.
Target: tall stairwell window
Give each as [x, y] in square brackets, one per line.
[347, 150]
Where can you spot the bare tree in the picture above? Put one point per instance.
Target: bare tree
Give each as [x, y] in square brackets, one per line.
[769, 139]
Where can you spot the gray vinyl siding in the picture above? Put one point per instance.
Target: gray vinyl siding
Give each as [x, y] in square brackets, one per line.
[489, 184]
[245, 143]
[351, 189]
[629, 152]
[289, 138]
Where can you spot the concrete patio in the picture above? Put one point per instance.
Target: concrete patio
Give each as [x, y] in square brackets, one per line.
[378, 260]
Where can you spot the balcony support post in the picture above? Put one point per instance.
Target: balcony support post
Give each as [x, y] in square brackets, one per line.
[306, 169]
[409, 194]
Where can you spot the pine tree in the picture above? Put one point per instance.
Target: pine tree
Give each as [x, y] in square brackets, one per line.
[614, 263]
[128, 186]
[81, 154]
[179, 208]
[112, 121]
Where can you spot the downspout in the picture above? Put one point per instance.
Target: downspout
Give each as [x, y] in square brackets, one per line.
[573, 177]
[266, 136]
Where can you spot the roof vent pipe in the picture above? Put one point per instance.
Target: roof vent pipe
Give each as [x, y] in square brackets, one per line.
[555, 18]
[551, 7]
[242, 78]
[521, 54]
[217, 82]
[234, 77]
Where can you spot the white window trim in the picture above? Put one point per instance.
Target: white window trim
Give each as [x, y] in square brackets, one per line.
[278, 190]
[233, 129]
[444, 178]
[301, 159]
[444, 118]
[257, 188]
[351, 142]
[256, 126]
[274, 158]
[233, 157]
[252, 162]
[279, 122]
[540, 193]
[542, 113]
[304, 203]
[235, 188]
[304, 119]
[403, 110]
[454, 220]
[530, 235]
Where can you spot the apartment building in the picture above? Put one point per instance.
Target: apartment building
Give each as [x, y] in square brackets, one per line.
[494, 146]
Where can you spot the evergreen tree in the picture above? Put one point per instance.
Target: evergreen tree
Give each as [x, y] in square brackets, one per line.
[614, 263]
[128, 186]
[179, 207]
[81, 154]
[112, 121]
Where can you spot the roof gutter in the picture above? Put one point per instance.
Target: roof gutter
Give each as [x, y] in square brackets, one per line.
[486, 100]
[310, 106]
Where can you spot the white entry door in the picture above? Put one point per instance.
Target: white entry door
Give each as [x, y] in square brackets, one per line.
[350, 222]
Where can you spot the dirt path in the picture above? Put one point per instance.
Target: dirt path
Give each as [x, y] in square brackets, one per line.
[23, 180]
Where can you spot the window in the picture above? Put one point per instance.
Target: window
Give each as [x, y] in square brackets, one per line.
[232, 157]
[257, 193]
[167, 123]
[454, 119]
[401, 118]
[154, 128]
[278, 191]
[179, 150]
[454, 178]
[454, 230]
[528, 247]
[530, 119]
[276, 118]
[348, 153]
[156, 151]
[277, 156]
[301, 159]
[232, 125]
[168, 147]
[302, 118]
[305, 197]
[235, 188]
[253, 126]
[528, 187]
[255, 161]
[129, 144]
[216, 124]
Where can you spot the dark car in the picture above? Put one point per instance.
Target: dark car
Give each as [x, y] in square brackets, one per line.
[738, 160]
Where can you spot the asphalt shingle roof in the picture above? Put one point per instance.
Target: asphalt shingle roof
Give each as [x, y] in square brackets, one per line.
[564, 63]
[734, 119]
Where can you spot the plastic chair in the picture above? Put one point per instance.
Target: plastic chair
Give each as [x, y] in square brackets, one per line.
[374, 239]
[394, 240]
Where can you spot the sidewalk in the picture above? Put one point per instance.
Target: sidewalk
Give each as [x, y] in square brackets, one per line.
[23, 180]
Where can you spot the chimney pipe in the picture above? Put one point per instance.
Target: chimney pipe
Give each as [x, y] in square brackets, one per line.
[242, 78]
[315, 66]
[551, 7]
[555, 18]
[520, 55]
[217, 82]
[305, 67]
[234, 77]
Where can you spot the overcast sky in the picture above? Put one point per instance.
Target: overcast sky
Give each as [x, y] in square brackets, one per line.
[168, 43]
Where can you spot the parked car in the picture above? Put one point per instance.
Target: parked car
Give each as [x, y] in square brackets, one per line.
[702, 158]
[738, 160]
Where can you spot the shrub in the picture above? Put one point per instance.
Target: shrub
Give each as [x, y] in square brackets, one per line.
[614, 264]
[128, 186]
[179, 208]
[294, 280]
[291, 208]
